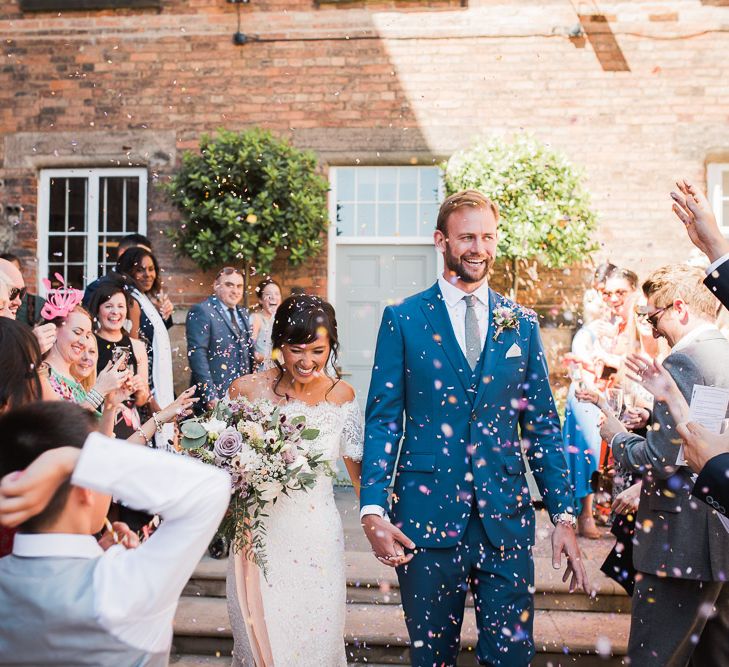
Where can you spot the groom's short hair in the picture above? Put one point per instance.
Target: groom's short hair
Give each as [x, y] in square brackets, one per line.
[459, 200]
[681, 281]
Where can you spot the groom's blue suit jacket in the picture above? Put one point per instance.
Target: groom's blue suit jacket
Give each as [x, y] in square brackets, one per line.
[460, 430]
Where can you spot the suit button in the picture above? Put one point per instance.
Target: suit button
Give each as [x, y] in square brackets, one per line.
[474, 416]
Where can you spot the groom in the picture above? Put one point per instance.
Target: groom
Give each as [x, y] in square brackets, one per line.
[460, 377]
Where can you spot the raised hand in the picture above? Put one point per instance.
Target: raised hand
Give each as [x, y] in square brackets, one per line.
[693, 210]
[112, 377]
[627, 501]
[120, 534]
[651, 374]
[180, 407]
[700, 444]
[26, 493]
[564, 542]
[46, 336]
[388, 542]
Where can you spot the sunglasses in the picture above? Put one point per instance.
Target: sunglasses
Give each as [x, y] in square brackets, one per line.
[18, 293]
[654, 318]
[228, 270]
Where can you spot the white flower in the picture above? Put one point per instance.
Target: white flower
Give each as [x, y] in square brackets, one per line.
[250, 430]
[300, 461]
[216, 426]
[270, 490]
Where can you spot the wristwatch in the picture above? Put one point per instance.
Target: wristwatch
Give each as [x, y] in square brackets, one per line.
[566, 518]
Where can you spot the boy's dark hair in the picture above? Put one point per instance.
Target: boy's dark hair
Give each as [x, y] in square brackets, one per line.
[34, 429]
[133, 241]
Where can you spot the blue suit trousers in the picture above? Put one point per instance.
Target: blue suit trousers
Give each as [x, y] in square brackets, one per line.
[433, 587]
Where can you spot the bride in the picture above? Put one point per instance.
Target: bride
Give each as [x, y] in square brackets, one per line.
[295, 615]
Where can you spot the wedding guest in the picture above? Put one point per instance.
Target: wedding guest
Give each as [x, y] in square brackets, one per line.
[4, 298]
[45, 333]
[24, 379]
[219, 340]
[112, 607]
[125, 243]
[268, 292]
[109, 309]
[581, 430]
[73, 324]
[681, 548]
[31, 304]
[150, 313]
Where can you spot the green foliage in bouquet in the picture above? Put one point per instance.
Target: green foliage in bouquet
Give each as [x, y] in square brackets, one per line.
[245, 198]
[545, 210]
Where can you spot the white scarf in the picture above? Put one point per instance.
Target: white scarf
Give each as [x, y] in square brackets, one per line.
[161, 365]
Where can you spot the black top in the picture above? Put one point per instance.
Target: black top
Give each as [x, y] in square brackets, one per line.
[106, 354]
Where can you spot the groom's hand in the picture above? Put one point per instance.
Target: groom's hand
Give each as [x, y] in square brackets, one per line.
[388, 541]
[564, 541]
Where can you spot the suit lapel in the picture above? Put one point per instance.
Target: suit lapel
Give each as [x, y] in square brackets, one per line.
[435, 311]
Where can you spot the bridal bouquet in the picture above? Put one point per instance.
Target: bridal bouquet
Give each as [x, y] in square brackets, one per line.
[267, 454]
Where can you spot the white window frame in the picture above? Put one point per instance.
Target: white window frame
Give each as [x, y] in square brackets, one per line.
[715, 194]
[92, 223]
[335, 240]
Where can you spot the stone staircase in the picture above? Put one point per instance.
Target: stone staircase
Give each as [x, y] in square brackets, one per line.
[570, 629]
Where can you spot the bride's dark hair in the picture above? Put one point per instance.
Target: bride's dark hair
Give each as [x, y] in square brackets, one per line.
[299, 321]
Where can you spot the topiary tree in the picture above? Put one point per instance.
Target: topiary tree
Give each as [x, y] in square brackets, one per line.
[245, 198]
[545, 211]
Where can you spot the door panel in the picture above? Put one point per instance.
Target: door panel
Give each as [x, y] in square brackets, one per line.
[369, 277]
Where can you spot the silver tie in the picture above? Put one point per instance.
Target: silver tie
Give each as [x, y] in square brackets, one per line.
[473, 335]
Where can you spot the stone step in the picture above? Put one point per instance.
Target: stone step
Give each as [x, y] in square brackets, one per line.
[368, 581]
[377, 633]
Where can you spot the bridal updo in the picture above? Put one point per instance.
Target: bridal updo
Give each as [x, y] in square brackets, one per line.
[299, 320]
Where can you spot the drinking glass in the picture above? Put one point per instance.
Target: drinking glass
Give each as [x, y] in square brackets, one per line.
[614, 397]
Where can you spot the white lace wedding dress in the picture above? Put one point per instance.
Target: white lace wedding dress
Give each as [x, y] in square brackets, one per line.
[298, 610]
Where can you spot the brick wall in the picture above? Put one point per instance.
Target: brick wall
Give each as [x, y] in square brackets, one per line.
[640, 99]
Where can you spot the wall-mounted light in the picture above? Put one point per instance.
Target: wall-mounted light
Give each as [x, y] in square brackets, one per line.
[13, 213]
[239, 38]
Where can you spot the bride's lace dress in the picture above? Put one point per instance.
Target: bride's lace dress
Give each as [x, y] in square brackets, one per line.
[304, 595]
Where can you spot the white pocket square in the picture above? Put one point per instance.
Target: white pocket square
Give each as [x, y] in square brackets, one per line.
[514, 351]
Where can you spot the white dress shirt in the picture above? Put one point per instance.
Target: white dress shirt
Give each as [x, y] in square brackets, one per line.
[456, 307]
[716, 264]
[136, 590]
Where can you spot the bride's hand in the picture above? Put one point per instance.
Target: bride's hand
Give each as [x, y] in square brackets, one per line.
[180, 407]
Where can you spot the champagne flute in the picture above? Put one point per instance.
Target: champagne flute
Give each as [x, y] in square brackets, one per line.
[614, 397]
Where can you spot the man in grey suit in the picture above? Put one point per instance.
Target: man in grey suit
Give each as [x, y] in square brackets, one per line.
[219, 341]
[680, 610]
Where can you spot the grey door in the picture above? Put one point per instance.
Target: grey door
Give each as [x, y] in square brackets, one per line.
[370, 277]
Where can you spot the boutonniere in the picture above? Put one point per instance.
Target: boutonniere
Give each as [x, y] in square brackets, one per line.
[505, 318]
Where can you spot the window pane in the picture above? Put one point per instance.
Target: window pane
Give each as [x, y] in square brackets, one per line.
[387, 185]
[132, 221]
[429, 179]
[76, 204]
[428, 218]
[56, 249]
[366, 220]
[76, 249]
[366, 183]
[76, 276]
[345, 219]
[111, 204]
[387, 220]
[408, 219]
[345, 184]
[57, 206]
[408, 184]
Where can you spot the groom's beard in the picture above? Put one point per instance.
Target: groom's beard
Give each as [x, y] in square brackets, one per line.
[468, 273]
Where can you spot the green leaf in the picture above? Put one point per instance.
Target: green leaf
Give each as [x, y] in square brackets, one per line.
[193, 430]
[310, 434]
[192, 443]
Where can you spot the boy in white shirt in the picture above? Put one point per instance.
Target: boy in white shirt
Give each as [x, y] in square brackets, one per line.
[73, 603]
